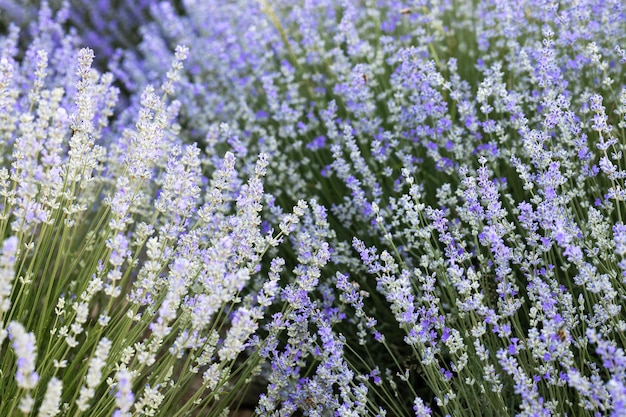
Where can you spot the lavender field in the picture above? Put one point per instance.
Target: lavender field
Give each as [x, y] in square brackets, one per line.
[324, 208]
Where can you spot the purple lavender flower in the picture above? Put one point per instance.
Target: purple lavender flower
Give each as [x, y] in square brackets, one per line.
[23, 344]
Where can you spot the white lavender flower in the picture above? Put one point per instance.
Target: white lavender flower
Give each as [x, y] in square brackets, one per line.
[93, 377]
[51, 404]
[7, 274]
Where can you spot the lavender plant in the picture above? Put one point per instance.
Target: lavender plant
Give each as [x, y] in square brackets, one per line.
[456, 239]
[132, 284]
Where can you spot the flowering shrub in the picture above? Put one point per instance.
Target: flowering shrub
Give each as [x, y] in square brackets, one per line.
[343, 208]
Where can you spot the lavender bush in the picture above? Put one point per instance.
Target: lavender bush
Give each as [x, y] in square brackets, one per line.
[343, 208]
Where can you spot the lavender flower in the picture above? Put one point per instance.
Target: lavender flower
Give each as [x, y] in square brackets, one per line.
[94, 375]
[124, 397]
[23, 344]
[7, 265]
[50, 406]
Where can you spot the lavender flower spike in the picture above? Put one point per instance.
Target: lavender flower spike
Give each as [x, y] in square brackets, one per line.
[25, 349]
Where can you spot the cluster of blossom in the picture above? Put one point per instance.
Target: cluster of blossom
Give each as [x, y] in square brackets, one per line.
[106, 26]
[456, 245]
